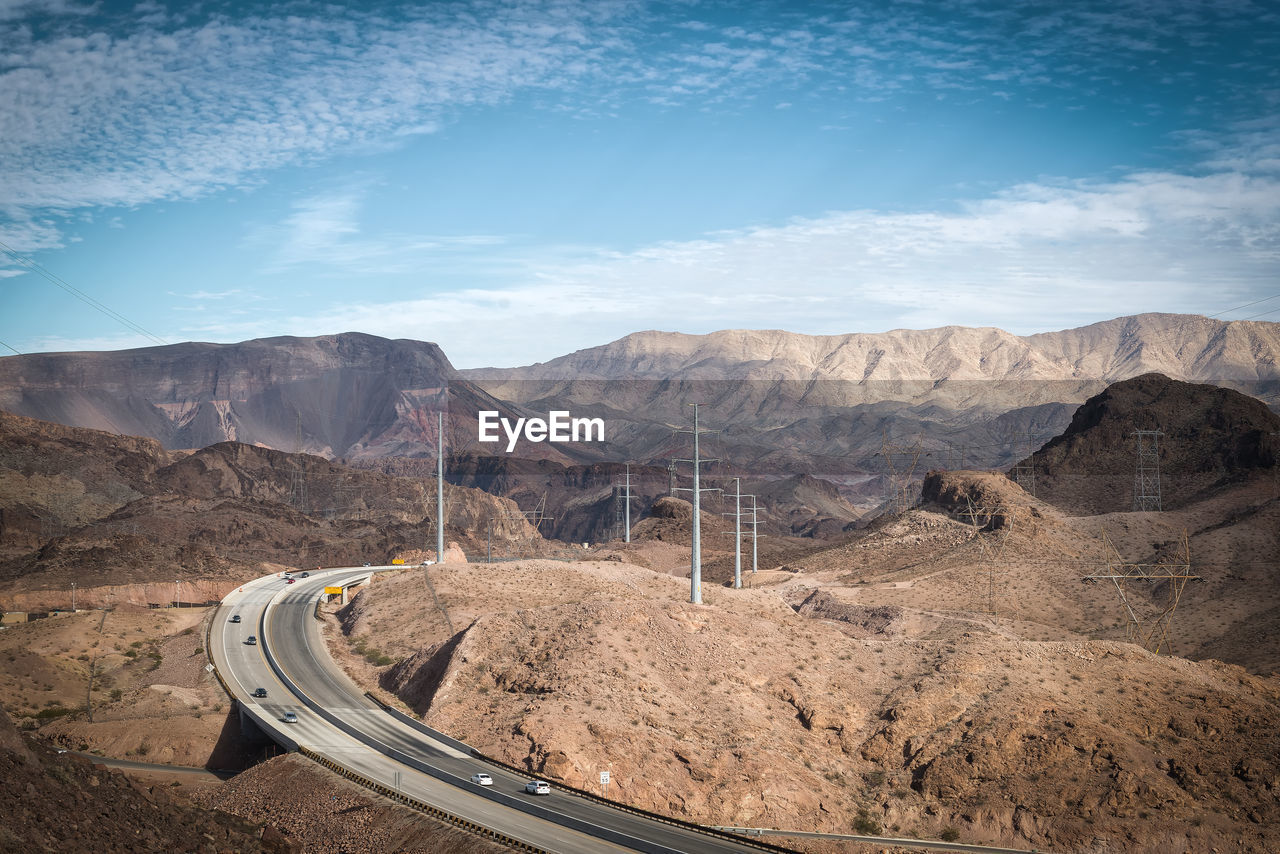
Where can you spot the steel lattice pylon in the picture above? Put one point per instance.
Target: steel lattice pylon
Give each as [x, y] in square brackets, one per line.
[1146, 481]
[1149, 617]
[989, 582]
[901, 461]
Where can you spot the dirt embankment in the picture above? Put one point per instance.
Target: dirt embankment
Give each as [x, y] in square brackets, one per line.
[322, 813]
[62, 802]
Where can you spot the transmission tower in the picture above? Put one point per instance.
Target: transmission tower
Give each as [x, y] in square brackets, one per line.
[622, 507]
[695, 559]
[297, 475]
[535, 517]
[1024, 473]
[439, 487]
[956, 455]
[1149, 615]
[989, 582]
[1146, 481]
[901, 461]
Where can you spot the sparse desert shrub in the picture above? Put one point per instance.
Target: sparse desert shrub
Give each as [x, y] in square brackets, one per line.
[949, 834]
[865, 825]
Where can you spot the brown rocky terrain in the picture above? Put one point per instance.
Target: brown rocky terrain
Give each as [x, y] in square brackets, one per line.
[825, 715]
[785, 404]
[105, 512]
[128, 683]
[62, 801]
[1209, 436]
[791, 403]
[945, 670]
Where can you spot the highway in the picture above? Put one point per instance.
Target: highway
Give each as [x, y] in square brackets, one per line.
[337, 721]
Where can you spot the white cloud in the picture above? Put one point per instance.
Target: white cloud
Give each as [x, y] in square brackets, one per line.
[324, 235]
[1035, 258]
[96, 119]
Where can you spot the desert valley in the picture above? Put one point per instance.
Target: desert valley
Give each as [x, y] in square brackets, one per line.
[981, 608]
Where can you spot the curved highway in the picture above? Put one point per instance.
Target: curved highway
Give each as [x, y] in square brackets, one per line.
[337, 721]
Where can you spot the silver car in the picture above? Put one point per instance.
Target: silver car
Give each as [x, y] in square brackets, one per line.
[537, 787]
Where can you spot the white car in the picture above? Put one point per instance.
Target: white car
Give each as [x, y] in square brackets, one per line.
[482, 779]
[537, 787]
[290, 718]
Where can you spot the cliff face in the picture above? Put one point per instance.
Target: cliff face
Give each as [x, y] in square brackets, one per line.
[323, 395]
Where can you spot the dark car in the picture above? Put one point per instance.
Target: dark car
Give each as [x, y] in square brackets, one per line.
[306, 575]
[251, 640]
[235, 618]
[261, 692]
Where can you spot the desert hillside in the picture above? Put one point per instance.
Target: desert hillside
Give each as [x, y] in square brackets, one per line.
[1208, 437]
[793, 704]
[109, 513]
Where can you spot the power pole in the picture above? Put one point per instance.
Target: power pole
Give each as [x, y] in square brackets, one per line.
[73, 597]
[695, 559]
[439, 487]
[1146, 481]
[627, 506]
[737, 533]
[755, 531]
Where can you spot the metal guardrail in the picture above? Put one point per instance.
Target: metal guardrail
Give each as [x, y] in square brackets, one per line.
[421, 806]
[716, 832]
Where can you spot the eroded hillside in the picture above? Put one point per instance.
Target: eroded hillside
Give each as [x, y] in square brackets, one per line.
[747, 711]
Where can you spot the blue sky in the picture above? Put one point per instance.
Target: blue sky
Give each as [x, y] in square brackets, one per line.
[519, 180]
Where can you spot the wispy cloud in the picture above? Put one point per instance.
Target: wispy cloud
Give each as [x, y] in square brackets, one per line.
[92, 118]
[1036, 257]
[158, 108]
[323, 233]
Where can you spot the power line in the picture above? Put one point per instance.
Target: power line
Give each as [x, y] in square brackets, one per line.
[1246, 305]
[78, 294]
[7, 347]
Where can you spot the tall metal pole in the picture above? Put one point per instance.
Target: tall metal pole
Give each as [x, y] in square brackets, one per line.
[627, 534]
[755, 524]
[440, 487]
[695, 570]
[737, 534]
[73, 597]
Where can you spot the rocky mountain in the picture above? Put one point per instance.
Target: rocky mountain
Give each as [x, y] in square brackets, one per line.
[859, 411]
[792, 704]
[1207, 438]
[352, 395]
[827, 404]
[109, 513]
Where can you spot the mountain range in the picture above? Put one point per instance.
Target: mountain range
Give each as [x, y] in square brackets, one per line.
[860, 411]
